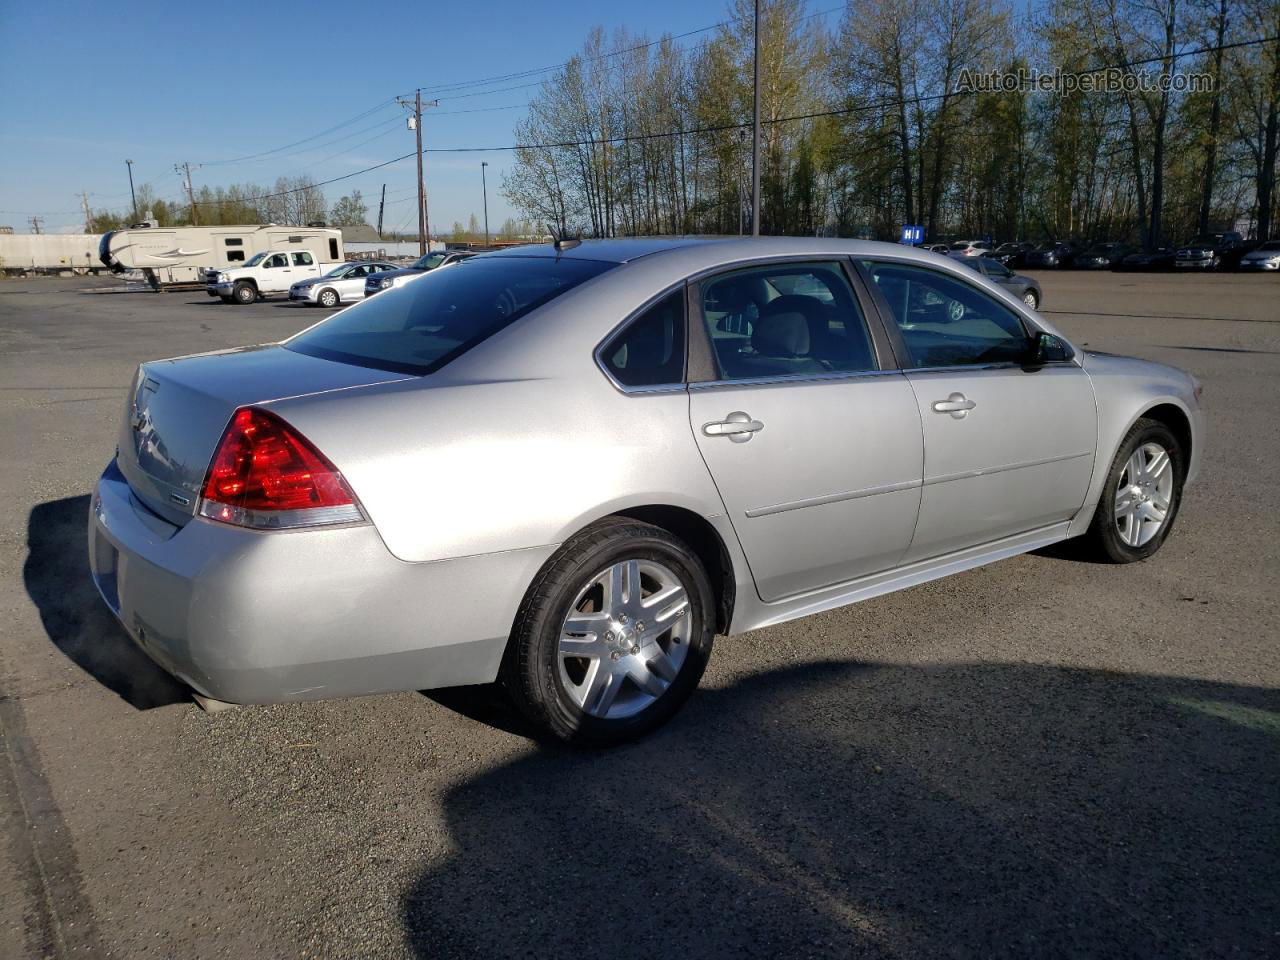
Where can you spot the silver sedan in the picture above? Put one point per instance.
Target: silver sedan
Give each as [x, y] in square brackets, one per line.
[568, 467]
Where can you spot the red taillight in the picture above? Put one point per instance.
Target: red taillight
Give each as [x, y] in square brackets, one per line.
[265, 474]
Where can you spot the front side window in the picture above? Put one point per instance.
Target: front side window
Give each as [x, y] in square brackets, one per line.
[649, 351]
[785, 319]
[302, 259]
[278, 260]
[419, 327]
[946, 322]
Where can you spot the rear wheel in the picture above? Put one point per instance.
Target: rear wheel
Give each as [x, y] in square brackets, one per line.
[1031, 300]
[613, 635]
[1141, 497]
[328, 297]
[245, 293]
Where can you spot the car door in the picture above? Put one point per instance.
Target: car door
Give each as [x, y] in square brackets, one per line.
[275, 274]
[351, 284]
[811, 436]
[304, 265]
[1009, 446]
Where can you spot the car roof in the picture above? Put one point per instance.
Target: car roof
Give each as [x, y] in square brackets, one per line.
[612, 250]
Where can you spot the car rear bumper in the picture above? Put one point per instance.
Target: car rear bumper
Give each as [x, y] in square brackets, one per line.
[252, 617]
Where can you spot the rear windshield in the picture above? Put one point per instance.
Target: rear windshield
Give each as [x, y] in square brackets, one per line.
[421, 326]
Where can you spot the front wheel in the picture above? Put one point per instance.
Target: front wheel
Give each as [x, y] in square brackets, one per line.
[613, 635]
[1031, 300]
[328, 297]
[1141, 496]
[245, 293]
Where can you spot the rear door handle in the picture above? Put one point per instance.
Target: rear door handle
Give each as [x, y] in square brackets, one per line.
[958, 405]
[737, 426]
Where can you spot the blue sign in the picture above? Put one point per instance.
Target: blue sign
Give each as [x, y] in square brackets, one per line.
[912, 235]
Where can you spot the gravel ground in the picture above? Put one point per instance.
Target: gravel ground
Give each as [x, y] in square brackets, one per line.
[1043, 757]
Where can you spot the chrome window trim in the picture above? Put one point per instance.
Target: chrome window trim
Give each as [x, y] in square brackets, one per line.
[797, 378]
[598, 353]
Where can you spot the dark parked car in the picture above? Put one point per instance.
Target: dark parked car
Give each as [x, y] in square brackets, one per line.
[1161, 258]
[1024, 288]
[1012, 254]
[377, 282]
[1102, 256]
[1210, 251]
[1052, 253]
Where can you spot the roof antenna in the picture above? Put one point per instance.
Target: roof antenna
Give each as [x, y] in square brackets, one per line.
[561, 241]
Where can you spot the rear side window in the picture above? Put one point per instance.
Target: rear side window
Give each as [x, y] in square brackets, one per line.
[785, 319]
[333, 248]
[419, 327]
[649, 351]
[946, 322]
[302, 259]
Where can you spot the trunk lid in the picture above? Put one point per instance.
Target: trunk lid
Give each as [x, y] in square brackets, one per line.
[178, 410]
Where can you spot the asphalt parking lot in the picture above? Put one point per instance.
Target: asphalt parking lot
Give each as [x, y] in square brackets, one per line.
[1044, 757]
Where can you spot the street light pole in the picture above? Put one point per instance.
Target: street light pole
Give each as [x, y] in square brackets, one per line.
[485, 187]
[755, 137]
[132, 196]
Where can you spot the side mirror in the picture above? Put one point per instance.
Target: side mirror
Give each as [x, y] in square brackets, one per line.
[1047, 348]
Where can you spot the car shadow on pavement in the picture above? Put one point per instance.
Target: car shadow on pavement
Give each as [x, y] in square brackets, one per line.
[840, 810]
[56, 575]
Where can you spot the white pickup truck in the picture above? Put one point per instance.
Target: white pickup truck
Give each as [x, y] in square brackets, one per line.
[262, 275]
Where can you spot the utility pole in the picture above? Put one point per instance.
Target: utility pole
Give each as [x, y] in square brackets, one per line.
[185, 169]
[382, 205]
[88, 217]
[132, 196]
[485, 188]
[424, 223]
[755, 138]
[35, 223]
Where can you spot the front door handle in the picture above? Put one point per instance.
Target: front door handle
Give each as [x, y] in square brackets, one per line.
[958, 405]
[737, 426]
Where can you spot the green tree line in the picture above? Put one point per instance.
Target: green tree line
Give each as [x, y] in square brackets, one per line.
[295, 201]
[902, 141]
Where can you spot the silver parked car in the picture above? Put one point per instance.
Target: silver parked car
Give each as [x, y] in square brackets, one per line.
[568, 467]
[343, 284]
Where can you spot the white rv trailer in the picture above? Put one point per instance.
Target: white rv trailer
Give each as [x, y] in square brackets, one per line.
[172, 255]
[22, 253]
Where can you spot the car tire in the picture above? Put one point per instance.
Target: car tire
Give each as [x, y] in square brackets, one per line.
[1031, 300]
[328, 297]
[244, 293]
[1136, 490]
[633, 676]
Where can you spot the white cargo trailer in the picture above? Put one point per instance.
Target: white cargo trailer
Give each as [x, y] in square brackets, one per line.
[22, 253]
[172, 255]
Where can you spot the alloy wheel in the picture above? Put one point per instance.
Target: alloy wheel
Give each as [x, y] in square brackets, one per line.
[625, 638]
[1143, 494]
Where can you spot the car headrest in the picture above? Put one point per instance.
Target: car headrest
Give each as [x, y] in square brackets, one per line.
[781, 335]
[808, 307]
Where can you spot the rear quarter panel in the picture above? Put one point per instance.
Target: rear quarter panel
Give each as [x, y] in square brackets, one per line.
[519, 443]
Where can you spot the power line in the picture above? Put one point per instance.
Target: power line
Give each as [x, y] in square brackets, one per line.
[317, 136]
[842, 111]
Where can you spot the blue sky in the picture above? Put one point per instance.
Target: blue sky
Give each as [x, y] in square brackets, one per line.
[89, 84]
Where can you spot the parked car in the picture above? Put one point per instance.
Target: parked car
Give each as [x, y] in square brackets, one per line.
[1051, 254]
[1264, 257]
[1207, 252]
[1160, 258]
[1102, 256]
[938, 247]
[1026, 289]
[970, 248]
[377, 282]
[262, 275]
[567, 467]
[343, 284]
[1012, 254]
